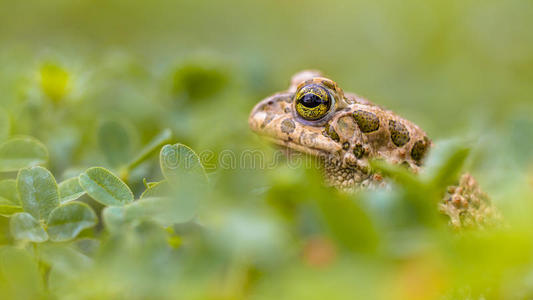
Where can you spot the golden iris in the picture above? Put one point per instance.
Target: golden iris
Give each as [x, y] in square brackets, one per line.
[312, 102]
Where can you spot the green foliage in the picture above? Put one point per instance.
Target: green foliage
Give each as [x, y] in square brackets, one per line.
[172, 201]
[21, 152]
[153, 146]
[349, 223]
[199, 80]
[38, 192]
[155, 189]
[42, 215]
[114, 91]
[19, 275]
[25, 227]
[70, 190]
[66, 221]
[180, 165]
[115, 142]
[7, 208]
[105, 187]
[8, 190]
[444, 166]
[5, 125]
[165, 211]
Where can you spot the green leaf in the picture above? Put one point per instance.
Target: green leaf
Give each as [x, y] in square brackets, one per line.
[114, 217]
[156, 189]
[181, 165]
[65, 258]
[8, 190]
[19, 275]
[66, 263]
[25, 227]
[151, 147]
[162, 210]
[70, 190]
[21, 152]
[445, 163]
[397, 172]
[348, 222]
[68, 220]
[7, 208]
[105, 187]
[115, 142]
[5, 125]
[199, 79]
[38, 191]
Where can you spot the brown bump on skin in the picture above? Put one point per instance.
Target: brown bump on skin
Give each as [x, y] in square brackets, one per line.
[366, 121]
[287, 126]
[345, 127]
[268, 117]
[350, 159]
[331, 132]
[399, 133]
[365, 170]
[358, 151]
[378, 177]
[419, 150]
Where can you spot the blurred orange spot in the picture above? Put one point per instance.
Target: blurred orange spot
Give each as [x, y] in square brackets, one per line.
[420, 278]
[319, 252]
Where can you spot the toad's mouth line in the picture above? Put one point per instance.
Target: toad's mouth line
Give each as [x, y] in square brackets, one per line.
[297, 147]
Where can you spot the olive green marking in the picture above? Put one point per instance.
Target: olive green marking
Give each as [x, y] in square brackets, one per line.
[330, 84]
[419, 150]
[346, 146]
[398, 133]
[331, 132]
[287, 126]
[358, 151]
[366, 121]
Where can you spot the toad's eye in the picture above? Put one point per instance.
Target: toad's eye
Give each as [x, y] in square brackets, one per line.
[313, 102]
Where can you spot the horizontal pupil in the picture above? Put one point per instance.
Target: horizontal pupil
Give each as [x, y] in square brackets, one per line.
[311, 100]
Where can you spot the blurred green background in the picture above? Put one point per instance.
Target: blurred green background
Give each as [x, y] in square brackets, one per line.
[461, 70]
